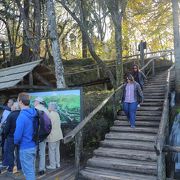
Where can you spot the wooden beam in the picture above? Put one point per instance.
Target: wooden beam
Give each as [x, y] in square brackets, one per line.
[168, 148]
[30, 79]
[28, 87]
[42, 79]
[47, 73]
[3, 51]
[78, 150]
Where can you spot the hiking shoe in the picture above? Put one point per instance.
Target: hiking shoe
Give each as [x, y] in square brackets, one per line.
[40, 173]
[58, 165]
[50, 167]
[9, 174]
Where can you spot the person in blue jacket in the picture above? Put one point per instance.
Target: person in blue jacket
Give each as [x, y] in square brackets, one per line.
[23, 136]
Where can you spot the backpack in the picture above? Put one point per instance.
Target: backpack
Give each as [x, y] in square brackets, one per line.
[42, 126]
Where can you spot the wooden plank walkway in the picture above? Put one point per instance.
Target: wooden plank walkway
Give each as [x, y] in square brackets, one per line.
[66, 172]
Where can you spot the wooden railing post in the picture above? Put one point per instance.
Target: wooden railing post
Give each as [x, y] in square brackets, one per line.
[98, 72]
[153, 68]
[163, 133]
[161, 167]
[3, 51]
[78, 150]
[171, 56]
[142, 54]
[114, 106]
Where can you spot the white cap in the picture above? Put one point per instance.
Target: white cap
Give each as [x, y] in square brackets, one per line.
[39, 99]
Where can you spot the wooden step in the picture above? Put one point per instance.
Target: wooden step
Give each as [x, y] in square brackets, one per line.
[153, 96]
[123, 165]
[136, 129]
[128, 144]
[153, 91]
[138, 123]
[152, 104]
[90, 173]
[145, 108]
[130, 136]
[126, 154]
[159, 81]
[145, 113]
[141, 118]
[157, 78]
[154, 83]
[154, 100]
[162, 85]
[155, 86]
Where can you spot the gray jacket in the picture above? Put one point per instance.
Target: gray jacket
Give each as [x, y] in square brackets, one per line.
[138, 94]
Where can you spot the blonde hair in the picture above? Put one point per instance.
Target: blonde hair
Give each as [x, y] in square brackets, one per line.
[15, 106]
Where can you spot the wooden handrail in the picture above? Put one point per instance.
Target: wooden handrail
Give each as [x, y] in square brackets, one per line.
[163, 132]
[93, 67]
[80, 126]
[70, 136]
[164, 117]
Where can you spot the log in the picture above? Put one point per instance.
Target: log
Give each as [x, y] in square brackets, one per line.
[168, 148]
[78, 150]
[42, 79]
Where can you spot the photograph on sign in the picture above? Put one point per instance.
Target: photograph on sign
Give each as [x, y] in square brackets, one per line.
[68, 102]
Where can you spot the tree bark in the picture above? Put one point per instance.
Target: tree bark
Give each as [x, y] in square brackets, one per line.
[52, 28]
[176, 14]
[37, 29]
[25, 47]
[116, 9]
[84, 42]
[30, 39]
[8, 31]
[84, 46]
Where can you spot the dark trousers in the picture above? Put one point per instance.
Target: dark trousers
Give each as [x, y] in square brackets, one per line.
[2, 143]
[9, 150]
[130, 111]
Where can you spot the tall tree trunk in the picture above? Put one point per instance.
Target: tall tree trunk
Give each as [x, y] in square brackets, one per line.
[125, 33]
[116, 9]
[119, 63]
[37, 29]
[52, 28]
[8, 32]
[84, 42]
[176, 14]
[13, 48]
[29, 38]
[84, 46]
[25, 46]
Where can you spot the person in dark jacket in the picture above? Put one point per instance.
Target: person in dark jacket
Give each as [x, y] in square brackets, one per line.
[9, 146]
[138, 75]
[132, 95]
[6, 112]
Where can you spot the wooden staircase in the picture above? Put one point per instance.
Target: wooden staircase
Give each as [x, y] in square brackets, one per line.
[128, 153]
